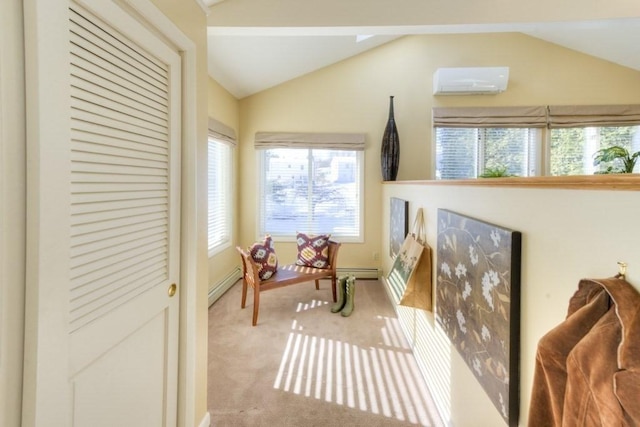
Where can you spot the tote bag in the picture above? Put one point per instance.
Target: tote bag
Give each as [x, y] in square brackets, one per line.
[410, 274]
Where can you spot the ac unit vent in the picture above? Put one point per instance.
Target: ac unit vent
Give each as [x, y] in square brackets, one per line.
[470, 80]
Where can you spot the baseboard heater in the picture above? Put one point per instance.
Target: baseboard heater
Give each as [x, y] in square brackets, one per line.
[360, 273]
[223, 286]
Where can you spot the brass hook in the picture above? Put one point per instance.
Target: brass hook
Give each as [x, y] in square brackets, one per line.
[622, 269]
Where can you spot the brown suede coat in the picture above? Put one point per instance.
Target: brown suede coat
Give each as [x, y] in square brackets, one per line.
[587, 369]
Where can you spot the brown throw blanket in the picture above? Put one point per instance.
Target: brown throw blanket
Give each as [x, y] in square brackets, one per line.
[587, 369]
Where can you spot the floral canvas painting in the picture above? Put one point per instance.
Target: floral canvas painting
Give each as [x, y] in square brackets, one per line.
[478, 302]
[399, 227]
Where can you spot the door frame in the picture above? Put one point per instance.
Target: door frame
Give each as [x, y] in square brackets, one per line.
[146, 11]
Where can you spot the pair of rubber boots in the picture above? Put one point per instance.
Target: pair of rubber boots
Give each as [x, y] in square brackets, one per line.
[346, 293]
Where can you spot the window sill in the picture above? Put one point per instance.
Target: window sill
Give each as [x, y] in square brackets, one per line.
[620, 182]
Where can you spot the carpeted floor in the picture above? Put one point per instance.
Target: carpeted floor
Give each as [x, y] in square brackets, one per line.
[305, 366]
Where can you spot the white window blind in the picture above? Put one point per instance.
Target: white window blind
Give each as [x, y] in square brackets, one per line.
[219, 194]
[310, 182]
[578, 131]
[471, 152]
[572, 149]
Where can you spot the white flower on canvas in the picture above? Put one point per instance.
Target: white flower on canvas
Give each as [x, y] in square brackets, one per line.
[461, 321]
[461, 270]
[473, 255]
[489, 281]
[486, 334]
[495, 236]
[477, 366]
[467, 291]
[446, 269]
[503, 408]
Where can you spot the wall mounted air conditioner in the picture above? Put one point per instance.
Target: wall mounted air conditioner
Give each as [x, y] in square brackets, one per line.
[470, 80]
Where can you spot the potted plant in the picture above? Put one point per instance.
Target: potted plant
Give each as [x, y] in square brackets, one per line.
[616, 154]
[497, 172]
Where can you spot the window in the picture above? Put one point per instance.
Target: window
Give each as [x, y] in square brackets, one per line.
[472, 141]
[219, 169]
[470, 152]
[572, 149]
[312, 190]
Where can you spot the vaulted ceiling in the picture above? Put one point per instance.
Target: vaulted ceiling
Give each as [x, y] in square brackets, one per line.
[257, 44]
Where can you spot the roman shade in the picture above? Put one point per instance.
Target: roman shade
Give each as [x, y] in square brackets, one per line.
[571, 116]
[490, 117]
[221, 132]
[330, 141]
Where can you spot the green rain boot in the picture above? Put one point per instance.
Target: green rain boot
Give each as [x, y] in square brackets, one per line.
[342, 282]
[350, 290]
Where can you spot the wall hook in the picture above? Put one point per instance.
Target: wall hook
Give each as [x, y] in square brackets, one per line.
[622, 269]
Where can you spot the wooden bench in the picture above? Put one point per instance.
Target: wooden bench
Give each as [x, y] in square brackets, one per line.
[286, 275]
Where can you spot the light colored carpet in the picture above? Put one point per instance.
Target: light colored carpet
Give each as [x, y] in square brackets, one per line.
[305, 366]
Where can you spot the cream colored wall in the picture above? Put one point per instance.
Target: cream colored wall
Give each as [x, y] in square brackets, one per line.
[225, 108]
[352, 96]
[12, 211]
[567, 235]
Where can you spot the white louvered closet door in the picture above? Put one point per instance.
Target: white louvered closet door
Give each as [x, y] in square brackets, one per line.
[117, 232]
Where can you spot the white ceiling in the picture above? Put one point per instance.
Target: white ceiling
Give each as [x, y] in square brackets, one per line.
[248, 60]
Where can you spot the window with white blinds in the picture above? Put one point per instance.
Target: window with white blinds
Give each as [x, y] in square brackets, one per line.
[572, 150]
[311, 190]
[219, 194]
[474, 151]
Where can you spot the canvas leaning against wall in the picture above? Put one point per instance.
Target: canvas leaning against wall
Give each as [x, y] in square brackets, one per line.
[399, 224]
[478, 303]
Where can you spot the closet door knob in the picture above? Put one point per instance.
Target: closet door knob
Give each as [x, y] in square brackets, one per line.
[172, 290]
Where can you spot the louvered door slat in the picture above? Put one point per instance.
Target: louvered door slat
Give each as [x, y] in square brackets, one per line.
[119, 88]
[93, 86]
[146, 91]
[113, 262]
[79, 188]
[108, 251]
[99, 234]
[82, 230]
[103, 99]
[100, 156]
[125, 147]
[125, 293]
[89, 291]
[109, 56]
[119, 171]
[104, 116]
[115, 205]
[116, 214]
[106, 38]
[115, 196]
[120, 136]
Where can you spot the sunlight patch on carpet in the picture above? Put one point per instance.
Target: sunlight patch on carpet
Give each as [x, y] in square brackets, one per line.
[383, 380]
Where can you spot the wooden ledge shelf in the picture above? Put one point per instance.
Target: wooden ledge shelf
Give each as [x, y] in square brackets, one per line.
[621, 182]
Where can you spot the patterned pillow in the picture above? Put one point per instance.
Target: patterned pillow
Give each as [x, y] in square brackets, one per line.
[313, 251]
[264, 254]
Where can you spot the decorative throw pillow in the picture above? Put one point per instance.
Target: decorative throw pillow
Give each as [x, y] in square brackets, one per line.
[264, 254]
[313, 251]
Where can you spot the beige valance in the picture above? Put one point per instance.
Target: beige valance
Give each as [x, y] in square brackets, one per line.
[220, 131]
[490, 117]
[330, 141]
[569, 116]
